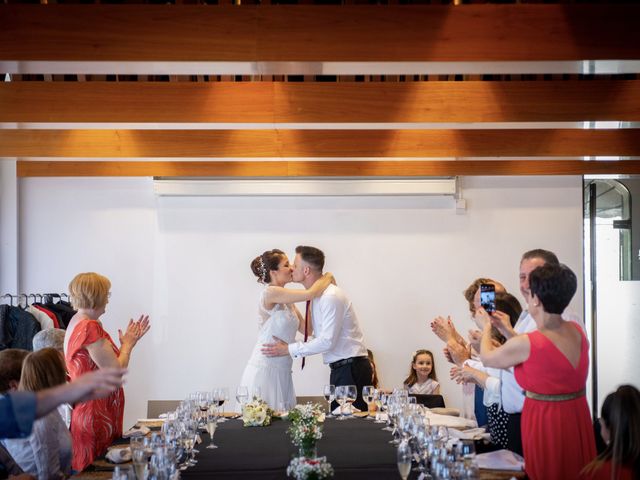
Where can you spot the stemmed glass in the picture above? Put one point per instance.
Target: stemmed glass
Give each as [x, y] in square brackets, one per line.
[378, 400]
[404, 459]
[329, 393]
[368, 395]
[223, 396]
[212, 425]
[341, 398]
[352, 394]
[242, 395]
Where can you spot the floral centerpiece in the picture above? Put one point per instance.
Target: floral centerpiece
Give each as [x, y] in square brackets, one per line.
[306, 428]
[302, 468]
[256, 413]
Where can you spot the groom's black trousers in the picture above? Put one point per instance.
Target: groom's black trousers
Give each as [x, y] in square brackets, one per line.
[357, 372]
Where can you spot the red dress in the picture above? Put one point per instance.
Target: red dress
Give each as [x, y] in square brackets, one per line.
[97, 423]
[557, 436]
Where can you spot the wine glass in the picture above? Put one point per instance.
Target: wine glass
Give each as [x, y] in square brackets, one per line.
[329, 393]
[222, 398]
[212, 425]
[404, 459]
[242, 394]
[341, 398]
[368, 396]
[352, 394]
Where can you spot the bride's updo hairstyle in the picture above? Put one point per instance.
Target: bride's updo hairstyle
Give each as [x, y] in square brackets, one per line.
[263, 264]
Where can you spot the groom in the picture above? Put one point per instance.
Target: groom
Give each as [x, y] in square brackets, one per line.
[336, 332]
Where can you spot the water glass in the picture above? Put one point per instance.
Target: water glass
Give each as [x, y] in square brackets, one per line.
[404, 460]
[329, 392]
[368, 394]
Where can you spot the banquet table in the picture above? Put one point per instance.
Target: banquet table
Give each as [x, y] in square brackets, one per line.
[357, 449]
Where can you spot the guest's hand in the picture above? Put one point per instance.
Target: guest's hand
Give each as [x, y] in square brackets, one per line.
[447, 355]
[443, 329]
[461, 374]
[279, 348]
[459, 353]
[135, 331]
[502, 322]
[330, 275]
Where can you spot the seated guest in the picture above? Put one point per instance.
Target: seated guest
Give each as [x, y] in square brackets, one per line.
[97, 423]
[10, 368]
[46, 453]
[488, 379]
[50, 338]
[620, 429]
[422, 378]
[53, 338]
[551, 365]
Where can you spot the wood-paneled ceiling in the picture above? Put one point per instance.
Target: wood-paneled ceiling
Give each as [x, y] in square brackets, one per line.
[389, 89]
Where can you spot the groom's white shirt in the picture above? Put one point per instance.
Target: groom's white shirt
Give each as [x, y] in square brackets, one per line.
[336, 331]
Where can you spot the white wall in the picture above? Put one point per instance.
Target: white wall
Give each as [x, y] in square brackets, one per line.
[185, 261]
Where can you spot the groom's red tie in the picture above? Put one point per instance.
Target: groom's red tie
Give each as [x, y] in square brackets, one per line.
[307, 315]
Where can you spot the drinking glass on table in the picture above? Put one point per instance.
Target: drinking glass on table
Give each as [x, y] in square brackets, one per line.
[212, 426]
[341, 398]
[352, 394]
[404, 459]
[368, 396]
[242, 395]
[377, 400]
[222, 398]
[139, 459]
[329, 393]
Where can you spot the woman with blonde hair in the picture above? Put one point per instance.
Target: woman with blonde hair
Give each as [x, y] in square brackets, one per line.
[46, 453]
[96, 423]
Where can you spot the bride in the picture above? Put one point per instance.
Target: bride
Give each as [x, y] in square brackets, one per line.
[279, 317]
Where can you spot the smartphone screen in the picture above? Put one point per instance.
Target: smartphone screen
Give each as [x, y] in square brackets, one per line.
[488, 297]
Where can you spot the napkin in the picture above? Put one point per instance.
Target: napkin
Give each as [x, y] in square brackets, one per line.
[349, 409]
[136, 432]
[470, 434]
[500, 460]
[119, 454]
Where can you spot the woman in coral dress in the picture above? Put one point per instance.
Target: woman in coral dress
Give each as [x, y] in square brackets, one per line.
[551, 365]
[97, 423]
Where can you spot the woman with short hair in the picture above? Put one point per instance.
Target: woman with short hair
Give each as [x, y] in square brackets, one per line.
[97, 423]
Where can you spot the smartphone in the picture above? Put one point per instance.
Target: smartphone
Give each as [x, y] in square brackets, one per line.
[488, 297]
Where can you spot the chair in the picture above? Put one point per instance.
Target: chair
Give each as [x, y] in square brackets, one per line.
[156, 407]
[430, 401]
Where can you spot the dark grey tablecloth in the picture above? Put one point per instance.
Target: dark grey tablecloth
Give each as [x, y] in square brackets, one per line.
[357, 449]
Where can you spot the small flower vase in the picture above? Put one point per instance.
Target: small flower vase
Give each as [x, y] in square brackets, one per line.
[308, 449]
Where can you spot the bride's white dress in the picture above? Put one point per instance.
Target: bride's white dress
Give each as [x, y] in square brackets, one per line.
[272, 375]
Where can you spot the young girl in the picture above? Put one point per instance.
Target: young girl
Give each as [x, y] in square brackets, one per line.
[422, 376]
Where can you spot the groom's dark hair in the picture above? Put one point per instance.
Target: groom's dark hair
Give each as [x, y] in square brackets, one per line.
[312, 255]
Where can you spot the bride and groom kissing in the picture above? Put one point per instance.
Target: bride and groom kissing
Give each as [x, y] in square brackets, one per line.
[329, 325]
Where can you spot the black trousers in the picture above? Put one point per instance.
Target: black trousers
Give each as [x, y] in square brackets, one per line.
[514, 435]
[358, 373]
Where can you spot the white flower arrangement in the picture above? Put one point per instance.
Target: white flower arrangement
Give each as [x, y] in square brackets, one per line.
[256, 413]
[302, 468]
[306, 428]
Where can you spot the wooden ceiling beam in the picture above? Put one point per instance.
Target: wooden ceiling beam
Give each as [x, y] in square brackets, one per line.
[319, 143]
[279, 102]
[306, 33]
[280, 169]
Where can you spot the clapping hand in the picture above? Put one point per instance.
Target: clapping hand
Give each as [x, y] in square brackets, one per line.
[474, 339]
[135, 331]
[458, 353]
[444, 329]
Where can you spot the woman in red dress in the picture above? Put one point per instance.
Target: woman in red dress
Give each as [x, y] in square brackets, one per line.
[97, 423]
[551, 365]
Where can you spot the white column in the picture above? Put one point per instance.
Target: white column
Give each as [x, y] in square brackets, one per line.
[9, 208]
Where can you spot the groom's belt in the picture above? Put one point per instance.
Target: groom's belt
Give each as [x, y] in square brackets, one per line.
[346, 361]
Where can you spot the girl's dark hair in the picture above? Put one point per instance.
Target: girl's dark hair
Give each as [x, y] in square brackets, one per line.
[621, 415]
[413, 376]
[263, 264]
[554, 285]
